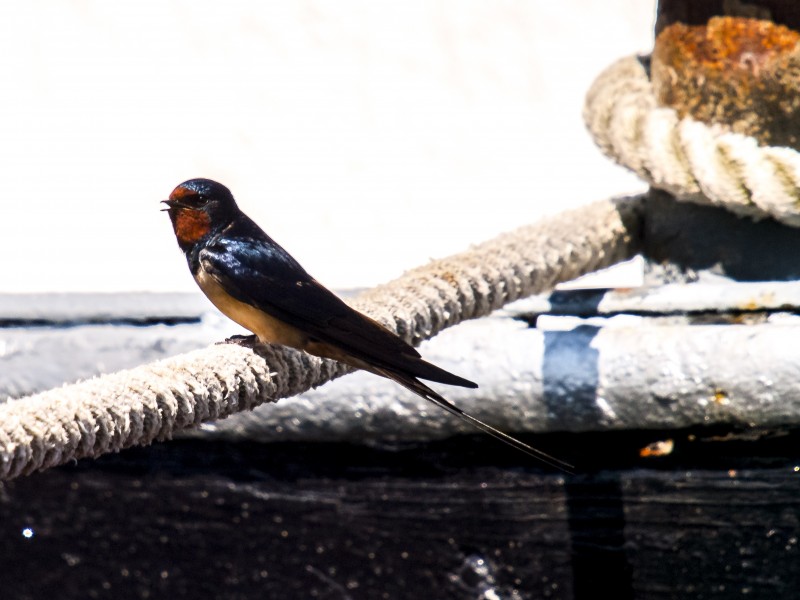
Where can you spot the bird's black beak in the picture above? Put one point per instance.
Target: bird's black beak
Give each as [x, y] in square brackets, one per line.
[170, 204]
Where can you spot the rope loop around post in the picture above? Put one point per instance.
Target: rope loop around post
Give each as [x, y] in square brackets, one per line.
[693, 161]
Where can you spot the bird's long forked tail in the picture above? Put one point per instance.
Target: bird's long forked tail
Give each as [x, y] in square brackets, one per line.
[419, 388]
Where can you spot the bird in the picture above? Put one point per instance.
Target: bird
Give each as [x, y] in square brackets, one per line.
[256, 283]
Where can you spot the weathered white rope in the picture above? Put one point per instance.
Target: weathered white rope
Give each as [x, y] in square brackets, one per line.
[691, 160]
[152, 402]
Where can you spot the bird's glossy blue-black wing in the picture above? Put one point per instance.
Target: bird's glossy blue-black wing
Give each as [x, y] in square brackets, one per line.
[265, 276]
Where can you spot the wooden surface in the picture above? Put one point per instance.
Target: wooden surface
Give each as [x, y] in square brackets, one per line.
[461, 519]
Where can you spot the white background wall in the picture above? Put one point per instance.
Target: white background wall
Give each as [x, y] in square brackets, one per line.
[365, 136]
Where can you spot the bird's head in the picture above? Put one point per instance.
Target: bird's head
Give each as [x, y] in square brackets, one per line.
[199, 208]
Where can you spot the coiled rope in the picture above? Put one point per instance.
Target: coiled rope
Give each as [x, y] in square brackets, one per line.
[152, 402]
[692, 161]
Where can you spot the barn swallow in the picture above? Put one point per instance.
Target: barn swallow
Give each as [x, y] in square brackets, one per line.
[257, 284]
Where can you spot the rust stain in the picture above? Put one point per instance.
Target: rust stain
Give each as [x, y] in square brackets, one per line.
[659, 448]
[750, 305]
[449, 278]
[763, 301]
[727, 42]
[737, 71]
[720, 396]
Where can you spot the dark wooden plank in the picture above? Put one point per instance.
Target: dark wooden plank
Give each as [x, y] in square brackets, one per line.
[457, 519]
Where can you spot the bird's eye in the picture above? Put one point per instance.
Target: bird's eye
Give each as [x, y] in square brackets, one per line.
[201, 201]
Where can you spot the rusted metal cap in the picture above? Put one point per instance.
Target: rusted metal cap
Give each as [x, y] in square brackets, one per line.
[740, 72]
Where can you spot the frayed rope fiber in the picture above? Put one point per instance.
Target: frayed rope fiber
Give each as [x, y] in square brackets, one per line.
[152, 402]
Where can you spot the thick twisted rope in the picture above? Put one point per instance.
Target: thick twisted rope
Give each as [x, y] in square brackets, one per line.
[152, 402]
[691, 160]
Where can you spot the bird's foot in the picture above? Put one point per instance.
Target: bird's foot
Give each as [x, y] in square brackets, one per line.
[248, 341]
